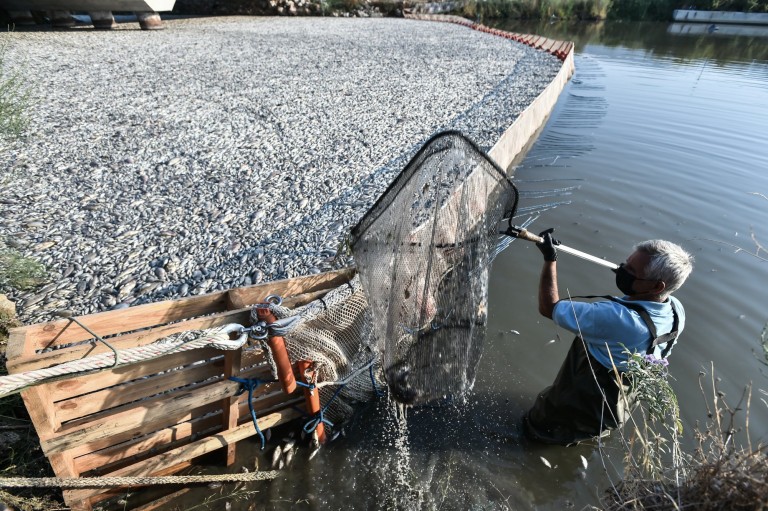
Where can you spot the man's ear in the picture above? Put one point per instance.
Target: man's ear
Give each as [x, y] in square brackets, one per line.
[659, 287]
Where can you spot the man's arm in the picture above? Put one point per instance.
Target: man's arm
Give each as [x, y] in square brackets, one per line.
[548, 293]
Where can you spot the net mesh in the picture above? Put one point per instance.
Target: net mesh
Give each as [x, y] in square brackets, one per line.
[422, 253]
[334, 332]
[415, 314]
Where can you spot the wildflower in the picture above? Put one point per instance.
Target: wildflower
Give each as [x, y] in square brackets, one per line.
[652, 360]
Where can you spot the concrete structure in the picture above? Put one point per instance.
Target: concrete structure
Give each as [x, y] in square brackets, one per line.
[60, 11]
[715, 30]
[724, 17]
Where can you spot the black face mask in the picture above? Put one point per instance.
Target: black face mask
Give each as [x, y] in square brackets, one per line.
[625, 281]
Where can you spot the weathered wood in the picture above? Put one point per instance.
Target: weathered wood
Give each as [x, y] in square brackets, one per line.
[77, 386]
[122, 423]
[92, 498]
[232, 362]
[206, 445]
[103, 460]
[41, 412]
[154, 314]
[154, 417]
[163, 462]
[132, 340]
[80, 406]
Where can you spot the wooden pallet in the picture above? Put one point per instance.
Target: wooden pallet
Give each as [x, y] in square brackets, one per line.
[157, 417]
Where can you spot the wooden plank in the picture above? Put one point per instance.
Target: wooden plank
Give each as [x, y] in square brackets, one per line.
[165, 463]
[205, 445]
[142, 316]
[162, 501]
[104, 324]
[17, 345]
[159, 441]
[95, 463]
[99, 401]
[232, 363]
[120, 424]
[96, 388]
[41, 412]
[74, 387]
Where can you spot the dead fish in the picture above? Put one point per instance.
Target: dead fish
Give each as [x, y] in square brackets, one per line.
[584, 462]
[289, 443]
[276, 456]
[514, 332]
[314, 453]
[281, 465]
[289, 457]
[545, 461]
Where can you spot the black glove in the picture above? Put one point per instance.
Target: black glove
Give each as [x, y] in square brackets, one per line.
[547, 247]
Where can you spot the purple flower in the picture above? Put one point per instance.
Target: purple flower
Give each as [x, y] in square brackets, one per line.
[651, 359]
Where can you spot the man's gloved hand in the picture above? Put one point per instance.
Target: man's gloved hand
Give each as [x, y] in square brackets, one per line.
[547, 247]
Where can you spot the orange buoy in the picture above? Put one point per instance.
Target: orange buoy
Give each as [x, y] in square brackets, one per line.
[311, 395]
[279, 353]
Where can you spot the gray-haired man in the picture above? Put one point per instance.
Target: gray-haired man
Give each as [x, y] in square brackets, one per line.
[583, 402]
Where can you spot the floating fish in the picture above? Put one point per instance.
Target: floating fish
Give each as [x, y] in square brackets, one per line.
[544, 460]
[584, 462]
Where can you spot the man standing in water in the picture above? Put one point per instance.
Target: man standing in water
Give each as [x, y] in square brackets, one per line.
[584, 401]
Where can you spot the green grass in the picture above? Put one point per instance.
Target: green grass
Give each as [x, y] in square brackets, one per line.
[15, 97]
[19, 272]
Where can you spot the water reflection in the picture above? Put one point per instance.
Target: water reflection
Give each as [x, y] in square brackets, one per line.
[660, 39]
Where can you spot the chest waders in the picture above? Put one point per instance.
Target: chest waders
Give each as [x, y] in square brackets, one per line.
[584, 400]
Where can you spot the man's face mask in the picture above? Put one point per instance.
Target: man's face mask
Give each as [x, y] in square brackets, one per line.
[625, 281]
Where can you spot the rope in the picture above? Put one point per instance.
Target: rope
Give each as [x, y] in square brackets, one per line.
[112, 482]
[215, 337]
[251, 384]
[319, 417]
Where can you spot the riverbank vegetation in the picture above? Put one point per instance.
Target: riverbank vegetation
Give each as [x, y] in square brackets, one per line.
[626, 10]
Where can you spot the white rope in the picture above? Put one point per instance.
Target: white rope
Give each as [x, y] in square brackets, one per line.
[115, 482]
[214, 337]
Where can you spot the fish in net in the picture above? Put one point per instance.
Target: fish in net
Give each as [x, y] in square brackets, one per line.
[422, 254]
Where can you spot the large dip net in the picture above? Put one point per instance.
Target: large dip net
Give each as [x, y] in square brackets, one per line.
[414, 317]
[423, 254]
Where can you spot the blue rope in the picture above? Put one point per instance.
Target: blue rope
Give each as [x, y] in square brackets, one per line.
[250, 384]
[319, 417]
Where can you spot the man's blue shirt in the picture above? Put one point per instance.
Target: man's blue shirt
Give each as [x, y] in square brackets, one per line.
[610, 323]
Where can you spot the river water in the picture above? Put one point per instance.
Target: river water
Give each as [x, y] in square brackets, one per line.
[664, 136]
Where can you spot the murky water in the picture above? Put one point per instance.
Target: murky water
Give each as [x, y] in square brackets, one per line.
[665, 136]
